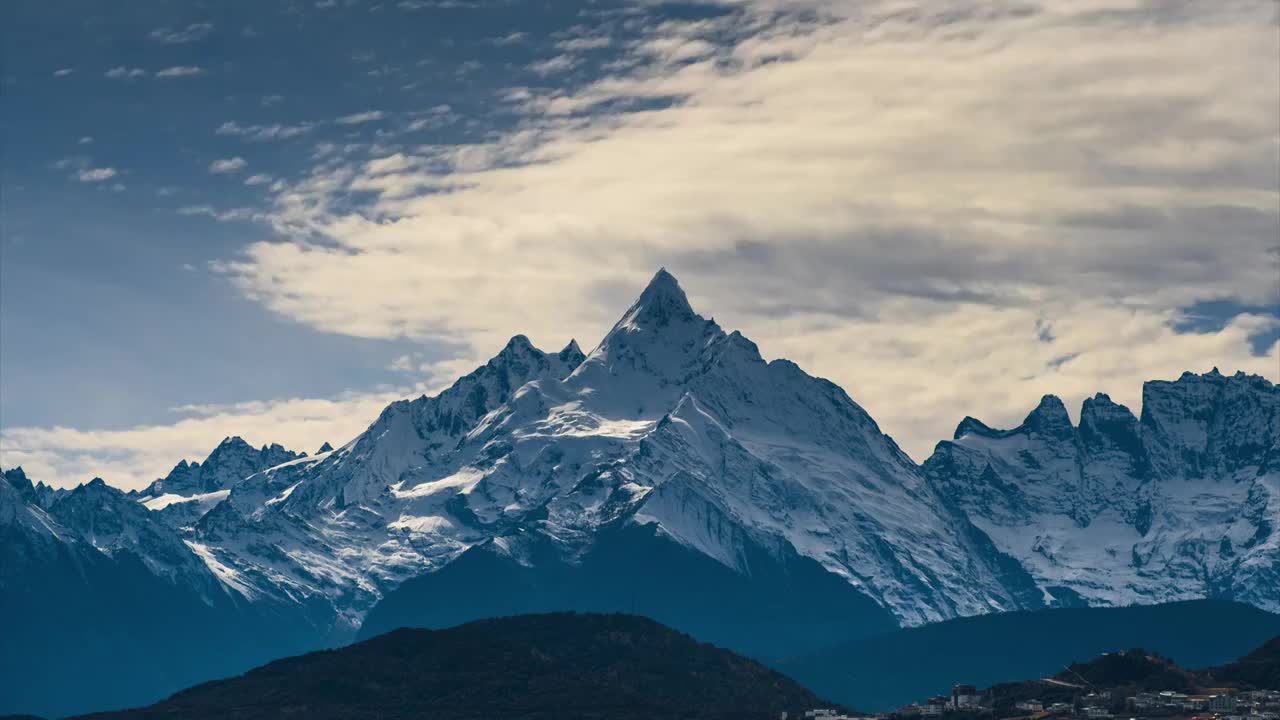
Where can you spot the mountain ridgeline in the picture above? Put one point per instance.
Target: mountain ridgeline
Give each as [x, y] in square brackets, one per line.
[670, 472]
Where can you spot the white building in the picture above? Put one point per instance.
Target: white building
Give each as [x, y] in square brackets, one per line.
[1222, 703]
[964, 696]
[935, 707]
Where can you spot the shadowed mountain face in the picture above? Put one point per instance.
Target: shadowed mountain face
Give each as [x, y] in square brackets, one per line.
[561, 666]
[97, 626]
[787, 605]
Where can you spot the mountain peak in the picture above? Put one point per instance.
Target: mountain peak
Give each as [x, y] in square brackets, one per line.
[518, 345]
[325, 448]
[572, 353]
[19, 480]
[643, 360]
[971, 426]
[233, 441]
[662, 302]
[663, 279]
[1049, 418]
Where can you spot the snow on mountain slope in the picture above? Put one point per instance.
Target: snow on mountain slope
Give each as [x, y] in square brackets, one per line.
[675, 427]
[192, 489]
[343, 525]
[116, 525]
[669, 420]
[1181, 504]
[20, 512]
[229, 463]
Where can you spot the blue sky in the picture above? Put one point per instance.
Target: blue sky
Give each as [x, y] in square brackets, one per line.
[111, 317]
[270, 218]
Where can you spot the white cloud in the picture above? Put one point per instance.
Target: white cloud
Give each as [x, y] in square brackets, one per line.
[95, 175]
[63, 72]
[553, 65]
[180, 71]
[918, 367]
[258, 179]
[584, 43]
[899, 201]
[263, 133]
[86, 140]
[132, 458]
[360, 118]
[512, 38]
[390, 164]
[122, 72]
[812, 178]
[189, 34]
[230, 215]
[228, 165]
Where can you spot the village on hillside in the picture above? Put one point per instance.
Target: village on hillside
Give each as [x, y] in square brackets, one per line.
[1121, 685]
[967, 703]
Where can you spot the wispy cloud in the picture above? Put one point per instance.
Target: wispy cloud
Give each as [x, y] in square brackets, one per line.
[63, 72]
[228, 165]
[96, 175]
[361, 117]
[512, 38]
[582, 44]
[122, 72]
[553, 65]
[180, 71]
[258, 179]
[262, 133]
[228, 215]
[189, 34]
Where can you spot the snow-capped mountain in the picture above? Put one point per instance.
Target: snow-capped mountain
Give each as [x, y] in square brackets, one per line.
[675, 472]
[97, 591]
[1182, 503]
[191, 489]
[669, 422]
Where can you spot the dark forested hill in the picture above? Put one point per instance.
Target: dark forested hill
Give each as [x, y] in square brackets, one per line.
[1259, 669]
[529, 667]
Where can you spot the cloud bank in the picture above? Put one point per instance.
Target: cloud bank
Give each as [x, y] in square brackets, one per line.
[949, 210]
[860, 186]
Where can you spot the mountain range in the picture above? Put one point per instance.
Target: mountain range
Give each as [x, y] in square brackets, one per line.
[671, 472]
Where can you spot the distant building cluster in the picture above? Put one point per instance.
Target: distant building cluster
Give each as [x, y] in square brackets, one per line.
[965, 701]
[825, 714]
[1247, 705]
